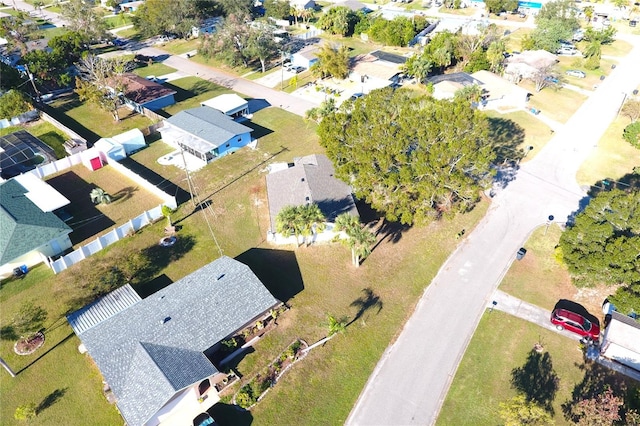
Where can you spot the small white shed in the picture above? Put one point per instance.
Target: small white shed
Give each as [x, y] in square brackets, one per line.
[229, 104]
[132, 141]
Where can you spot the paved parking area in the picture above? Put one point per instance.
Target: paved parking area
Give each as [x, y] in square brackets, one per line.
[521, 309]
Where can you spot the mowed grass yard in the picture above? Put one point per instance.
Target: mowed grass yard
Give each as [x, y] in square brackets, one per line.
[558, 105]
[522, 130]
[92, 122]
[613, 157]
[502, 342]
[314, 280]
[483, 380]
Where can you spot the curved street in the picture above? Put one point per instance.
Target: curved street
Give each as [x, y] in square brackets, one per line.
[411, 380]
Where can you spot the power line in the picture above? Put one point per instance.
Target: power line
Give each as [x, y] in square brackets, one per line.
[195, 198]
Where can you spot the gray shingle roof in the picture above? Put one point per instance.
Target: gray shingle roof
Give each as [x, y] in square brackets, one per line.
[23, 226]
[155, 347]
[208, 124]
[103, 308]
[310, 180]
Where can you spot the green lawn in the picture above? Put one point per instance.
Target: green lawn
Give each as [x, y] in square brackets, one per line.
[320, 277]
[617, 48]
[577, 63]
[613, 158]
[483, 380]
[92, 122]
[512, 140]
[513, 41]
[46, 132]
[502, 342]
[157, 69]
[180, 46]
[559, 105]
[129, 33]
[538, 278]
[116, 21]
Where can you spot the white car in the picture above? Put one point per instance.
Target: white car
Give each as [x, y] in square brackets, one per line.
[576, 73]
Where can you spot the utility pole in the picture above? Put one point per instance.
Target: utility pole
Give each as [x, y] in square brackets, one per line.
[33, 83]
[6, 367]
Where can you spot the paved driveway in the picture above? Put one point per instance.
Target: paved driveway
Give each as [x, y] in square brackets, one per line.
[521, 309]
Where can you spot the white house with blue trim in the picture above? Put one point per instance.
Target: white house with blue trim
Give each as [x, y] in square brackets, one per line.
[205, 133]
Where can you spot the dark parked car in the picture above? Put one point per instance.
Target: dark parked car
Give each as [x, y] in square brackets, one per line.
[565, 319]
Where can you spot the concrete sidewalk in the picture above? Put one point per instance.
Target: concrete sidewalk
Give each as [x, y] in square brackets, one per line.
[521, 309]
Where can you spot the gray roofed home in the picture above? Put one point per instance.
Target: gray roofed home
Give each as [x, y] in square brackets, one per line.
[154, 352]
[309, 179]
[26, 231]
[205, 132]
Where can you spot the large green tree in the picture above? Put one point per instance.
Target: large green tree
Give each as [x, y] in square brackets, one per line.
[333, 61]
[603, 242]
[230, 42]
[339, 20]
[557, 20]
[83, 18]
[155, 17]
[14, 103]
[410, 156]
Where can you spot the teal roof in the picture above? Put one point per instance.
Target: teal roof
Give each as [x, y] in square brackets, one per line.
[23, 226]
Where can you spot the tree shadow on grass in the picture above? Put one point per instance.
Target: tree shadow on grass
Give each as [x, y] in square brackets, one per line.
[506, 135]
[230, 415]
[124, 194]
[51, 399]
[597, 378]
[536, 379]
[160, 257]
[382, 228]
[69, 336]
[369, 300]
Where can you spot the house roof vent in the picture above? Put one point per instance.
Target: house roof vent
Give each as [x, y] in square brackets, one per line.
[219, 277]
[165, 320]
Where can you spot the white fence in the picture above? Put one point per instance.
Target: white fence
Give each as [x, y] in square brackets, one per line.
[167, 199]
[48, 169]
[118, 233]
[103, 241]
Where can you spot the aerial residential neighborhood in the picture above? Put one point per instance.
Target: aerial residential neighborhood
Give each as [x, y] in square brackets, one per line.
[281, 212]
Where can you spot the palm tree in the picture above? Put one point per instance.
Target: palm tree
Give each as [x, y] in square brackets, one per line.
[99, 196]
[359, 239]
[287, 222]
[363, 240]
[421, 68]
[588, 13]
[471, 93]
[306, 15]
[334, 326]
[311, 220]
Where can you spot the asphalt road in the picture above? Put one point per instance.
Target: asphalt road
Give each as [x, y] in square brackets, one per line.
[411, 380]
[248, 88]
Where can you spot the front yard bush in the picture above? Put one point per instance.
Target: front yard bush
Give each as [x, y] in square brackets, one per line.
[631, 134]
